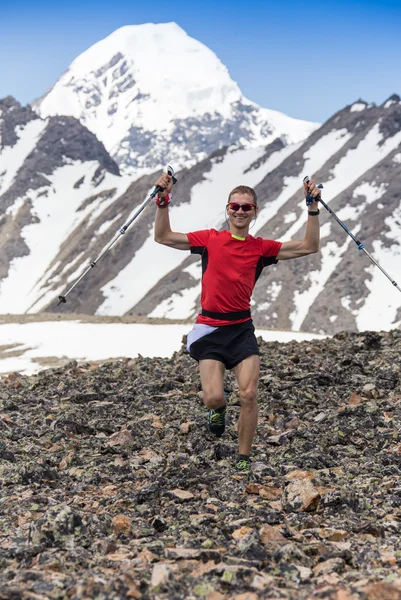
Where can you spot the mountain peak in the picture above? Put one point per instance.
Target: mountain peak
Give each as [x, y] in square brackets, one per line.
[393, 99]
[151, 94]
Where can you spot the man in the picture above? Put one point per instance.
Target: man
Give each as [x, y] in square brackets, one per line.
[223, 336]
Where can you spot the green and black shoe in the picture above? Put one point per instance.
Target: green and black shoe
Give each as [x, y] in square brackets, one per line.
[216, 420]
[243, 465]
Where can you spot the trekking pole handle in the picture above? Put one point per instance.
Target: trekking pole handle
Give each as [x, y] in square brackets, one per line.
[170, 171]
[306, 179]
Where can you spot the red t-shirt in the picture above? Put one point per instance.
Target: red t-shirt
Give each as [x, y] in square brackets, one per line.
[230, 269]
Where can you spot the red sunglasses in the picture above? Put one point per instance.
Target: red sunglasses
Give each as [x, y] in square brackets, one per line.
[245, 207]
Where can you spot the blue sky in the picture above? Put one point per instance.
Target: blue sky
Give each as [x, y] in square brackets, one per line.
[307, 59]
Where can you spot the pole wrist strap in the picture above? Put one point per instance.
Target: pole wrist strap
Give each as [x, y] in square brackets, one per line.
[163, 201]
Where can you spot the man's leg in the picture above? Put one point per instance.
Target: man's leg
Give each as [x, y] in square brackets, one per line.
[247, 374]
[212, 380]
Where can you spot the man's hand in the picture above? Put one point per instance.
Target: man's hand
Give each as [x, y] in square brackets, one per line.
[165, 181]
[309, 187]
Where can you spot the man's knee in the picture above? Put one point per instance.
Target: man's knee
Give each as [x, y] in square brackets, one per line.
[213, 400]
[248, 397]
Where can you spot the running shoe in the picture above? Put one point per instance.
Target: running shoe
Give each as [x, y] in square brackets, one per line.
[216, 420]
[243, 466]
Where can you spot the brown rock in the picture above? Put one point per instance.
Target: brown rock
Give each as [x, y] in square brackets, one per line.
[354, 399]
[201, 518]
[253, 488]
[161, 573]
[66, 461]
[370, 390]
[146, 556]
[213, 595]
[344, 595]
[332, 565]
[262, 581]
[202, 569]
[332, 535]
[121, 524]
[147, 454]
[270, 493]
[133, 591]
[120, 438]
[182, 495]
[246, 596]
[274, 440]
[245, 537]
[179, 552]
[382, 590]
[238, 534]
[331, 579]
[299, 474]
[293, 423]
[301, 495]
[387, 555]
[269, 534]
[187, 426]
[305, 573]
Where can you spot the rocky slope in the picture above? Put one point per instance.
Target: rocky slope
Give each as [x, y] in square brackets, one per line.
[112, 489]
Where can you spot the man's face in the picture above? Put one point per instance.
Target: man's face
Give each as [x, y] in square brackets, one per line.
[239, 217]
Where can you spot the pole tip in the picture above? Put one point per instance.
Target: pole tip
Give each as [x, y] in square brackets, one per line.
[61, 300]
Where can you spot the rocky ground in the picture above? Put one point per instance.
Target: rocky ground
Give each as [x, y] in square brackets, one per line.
[111, 489]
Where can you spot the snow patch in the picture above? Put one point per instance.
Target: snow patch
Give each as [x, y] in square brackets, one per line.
[13, 157]
[106, 225]
[331, 258]
[357, 107]
[179, 306]
[86, 341]
[272, 293]
[389, 103]
[325, 230]
[290, 218]
[195, 270]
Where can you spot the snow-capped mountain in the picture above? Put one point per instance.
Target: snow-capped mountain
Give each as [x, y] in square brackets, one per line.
[62, 201]
[152, 95]
[55, 178]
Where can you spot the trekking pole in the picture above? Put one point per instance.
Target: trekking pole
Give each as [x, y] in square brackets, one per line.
[170, 171]
[357, 242]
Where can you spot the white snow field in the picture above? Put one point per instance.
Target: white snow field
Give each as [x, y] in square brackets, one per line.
[97, 342]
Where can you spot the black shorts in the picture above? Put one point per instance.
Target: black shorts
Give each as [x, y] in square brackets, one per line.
[229, 344]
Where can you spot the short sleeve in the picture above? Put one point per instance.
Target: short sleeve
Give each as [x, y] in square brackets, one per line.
[198, 240]
[270, 248]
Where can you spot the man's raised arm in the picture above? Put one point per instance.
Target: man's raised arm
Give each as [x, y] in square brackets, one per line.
[311, 242]
[163, 233]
